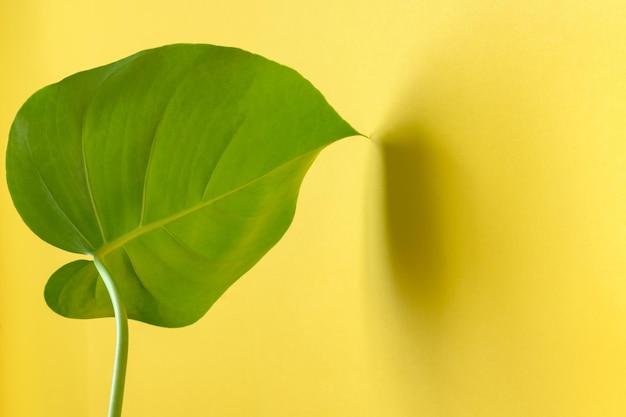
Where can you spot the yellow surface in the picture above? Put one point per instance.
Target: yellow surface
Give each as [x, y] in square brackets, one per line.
[470, 263]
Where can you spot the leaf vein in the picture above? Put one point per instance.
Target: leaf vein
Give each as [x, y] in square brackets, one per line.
[136, 274]
[82, 146]
[53, 198]
[192, 251]
[151, 152]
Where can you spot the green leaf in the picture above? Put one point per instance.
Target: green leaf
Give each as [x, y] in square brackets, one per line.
[178, 167]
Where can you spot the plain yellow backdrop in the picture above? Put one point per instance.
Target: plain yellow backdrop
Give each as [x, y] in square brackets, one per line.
[468, 261]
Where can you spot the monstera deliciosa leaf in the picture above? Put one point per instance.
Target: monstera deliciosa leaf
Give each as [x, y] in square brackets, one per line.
[177, 168]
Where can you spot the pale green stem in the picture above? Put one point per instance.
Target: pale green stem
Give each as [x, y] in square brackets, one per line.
[121, 344]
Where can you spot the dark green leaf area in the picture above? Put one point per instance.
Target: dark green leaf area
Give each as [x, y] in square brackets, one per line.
[178, 167]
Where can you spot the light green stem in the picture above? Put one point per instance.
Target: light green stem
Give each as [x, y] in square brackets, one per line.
[121, 346]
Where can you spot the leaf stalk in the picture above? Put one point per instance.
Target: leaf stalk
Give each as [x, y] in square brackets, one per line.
[121, 346]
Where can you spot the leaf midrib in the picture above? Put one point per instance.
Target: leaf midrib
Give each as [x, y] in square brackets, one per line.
[122, 240]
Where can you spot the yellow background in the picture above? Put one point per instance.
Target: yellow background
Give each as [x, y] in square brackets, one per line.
[468, 262]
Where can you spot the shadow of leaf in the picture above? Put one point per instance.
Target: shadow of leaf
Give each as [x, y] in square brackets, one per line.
[416, 176]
